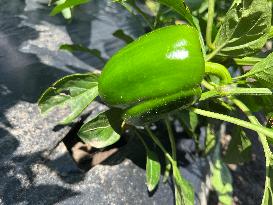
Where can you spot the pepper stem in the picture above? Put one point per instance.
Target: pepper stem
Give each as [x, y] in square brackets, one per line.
[171, 138]
[159, 144]
[219, 71]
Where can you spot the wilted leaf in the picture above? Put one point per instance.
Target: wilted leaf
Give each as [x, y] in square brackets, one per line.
[98, 132]
[153, 170]
[76, 91]
[245, 28]
[239, 149]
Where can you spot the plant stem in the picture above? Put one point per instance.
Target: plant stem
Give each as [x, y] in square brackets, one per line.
[219, 71]
[171, 137]
[158, 143]
[229, 91]
[142, 141]
[179, 193]
[211, 6]
[168, 167]
[213, 53]
[258, 128]
[207, 85]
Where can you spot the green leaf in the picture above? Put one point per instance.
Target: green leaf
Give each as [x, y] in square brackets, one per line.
[189, 119]
[262, 71]
[67, 13]
[181, 8]
[184, 194]
[114, 116]
[210, 140]
[122, 36]
[245, 28]
[75, 47]
[76, 91]
[153, 170]
[67, 4]
[247, 60]
[221, 178]
[98, 132]
[239, 149]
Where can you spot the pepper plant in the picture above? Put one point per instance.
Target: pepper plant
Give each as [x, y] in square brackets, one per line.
[191, 63]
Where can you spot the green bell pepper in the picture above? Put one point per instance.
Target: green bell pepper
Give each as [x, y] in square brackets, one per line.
[156, 74]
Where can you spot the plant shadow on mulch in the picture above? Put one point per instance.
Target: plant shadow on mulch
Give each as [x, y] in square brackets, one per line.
[248, 178]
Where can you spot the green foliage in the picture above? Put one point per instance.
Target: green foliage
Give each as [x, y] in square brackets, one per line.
[184, 194]
[76, 91]
[245, 28]
[181, 8]
[239, 28]
[262, 71]
[98, 132]
[153, 169]
[189, 120]
[67, 4]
